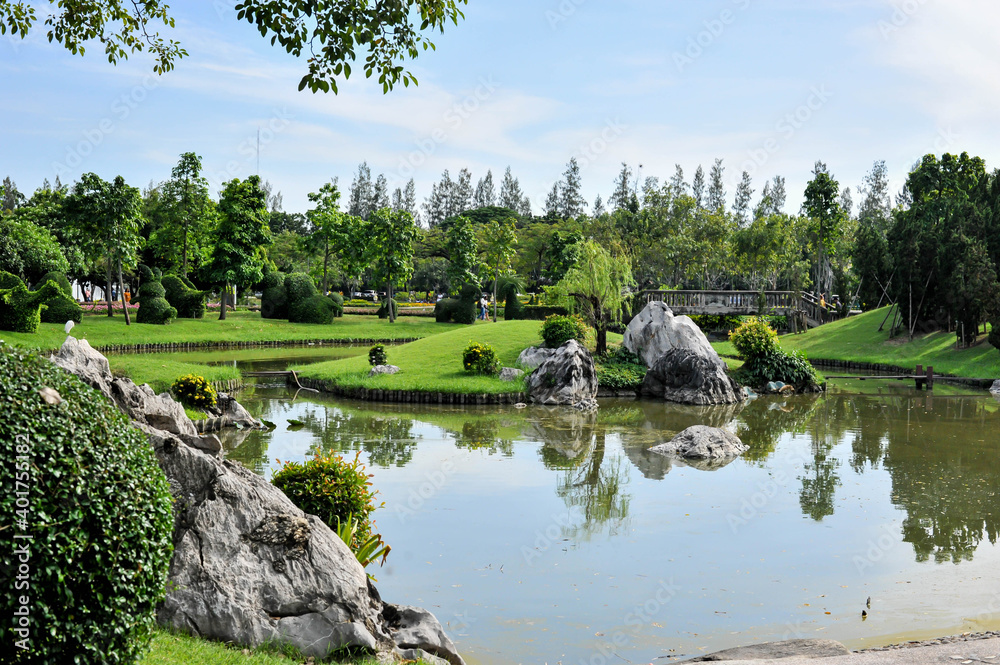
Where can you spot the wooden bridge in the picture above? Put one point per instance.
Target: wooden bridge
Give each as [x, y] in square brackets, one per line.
[802, 309]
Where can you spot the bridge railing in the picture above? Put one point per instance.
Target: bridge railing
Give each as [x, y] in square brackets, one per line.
[709, 302]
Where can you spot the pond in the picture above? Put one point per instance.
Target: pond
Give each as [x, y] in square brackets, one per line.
[549, 536]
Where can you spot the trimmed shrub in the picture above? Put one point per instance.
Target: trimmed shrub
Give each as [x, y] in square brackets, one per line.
[513, 310]
[333, 489]
[558, 329]
[61, 307]
[754, 339]
[60, 279]
[791, 368]
[153, 307]
[460, 310]
[377, 355]
[299, 286]
[99, 515]
[194, 391]
[338, 303]
[383, 309]
[481, 358]
[182, 296]
[273, 298]
[20, 309]
[314, 309]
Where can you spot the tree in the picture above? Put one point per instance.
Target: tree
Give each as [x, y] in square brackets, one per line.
[571, 202]
[716, 188]
[362, 193]
[406, 200]
[485, 195]
[698, 186]
[741, 202]
[107, 216]
[599, 207]
[870, 253]
[331, 34]
[552, 203]
[601, 283]
[511, 195]
[10, 198]
[28, 250]
[463, 252]
[189, 210]
[329, 230]
[461, 199]
[241, 239]
[822, 204]
[619, 199]
[380, 193]
[390, 242]
[500, 243]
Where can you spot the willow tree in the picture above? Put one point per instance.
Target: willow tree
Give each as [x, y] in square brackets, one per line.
[601, 282]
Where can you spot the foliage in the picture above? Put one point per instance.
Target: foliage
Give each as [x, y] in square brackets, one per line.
[390, 237]
[28, 250]
[194, 391]
[620, 369]
[500, 241]
[559, 329]
[98, 575]
[333, 489]
[512, 307]
[792, 368]
[377, 355]
[463, 251]
[712, 322]
[601, 283]
[459, 310]
[305, 304]
[182, 214]
[331, 227]
[366, 552]
[242, 236]
[20, 309]
[274, 297]
[181, 294]
[153, 307]
[480, 358]
[61, 281]
[338, 303]
[60, 308]
[383, 308]
[754, 338]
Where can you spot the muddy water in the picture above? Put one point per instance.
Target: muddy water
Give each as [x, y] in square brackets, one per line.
[547, 536]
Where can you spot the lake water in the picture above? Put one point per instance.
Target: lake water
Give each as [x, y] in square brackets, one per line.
[549, 536]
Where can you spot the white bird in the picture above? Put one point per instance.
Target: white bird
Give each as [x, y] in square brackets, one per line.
[69, 326]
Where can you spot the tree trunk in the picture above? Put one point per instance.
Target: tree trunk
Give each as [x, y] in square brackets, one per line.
[107, 292]
[389, 302]
[225, 296]
[184, 259]
[121, 294]
[602, 339]
[495, 299]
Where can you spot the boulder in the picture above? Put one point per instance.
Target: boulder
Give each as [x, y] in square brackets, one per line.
[76, 356]
[533, 356]
[995, 388]
[701, 442]
[416, 628]
[655, 330]
[688, 377]
[567, 378]
[383, 369]
[511, 374]
[802, 648]
[234, 414]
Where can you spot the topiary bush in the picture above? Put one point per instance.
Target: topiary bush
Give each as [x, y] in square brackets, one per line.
[480, 358]
[377, 355]
[507, 289]
[61, 307]
[273, 298]
[153, 307]
[559, 329]
[754, 338]
[314, 309]
[338, 303]
[20, 309]
[194, 391]
[791, 368]
[333, 489]
[182, 296]
[460, 310]
[60, 279]
[383, 310]
[299, 286]
[98, 511]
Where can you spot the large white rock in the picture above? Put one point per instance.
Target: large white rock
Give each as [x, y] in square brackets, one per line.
[534, 356]
[995, 388]
[655, 330]
[701, 442]
[568, 378]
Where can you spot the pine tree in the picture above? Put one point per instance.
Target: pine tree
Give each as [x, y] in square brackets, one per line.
[524, 206]
[397, 199]
[778, 194]
[571, 202]
[511, 195]
[461, 198]
[485, 193]
[741, 203]
[599, 207]
[847, 202]
[552, 202]
[698, 186]
[765, 207]
[380, 194]
[360, 198]
[438, 204]
[716, 188]
[410, 198]
[623, 189]
[677, 185]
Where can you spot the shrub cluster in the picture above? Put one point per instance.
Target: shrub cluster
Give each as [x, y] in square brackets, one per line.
[377, 355]
[98, 511]
[333, 489]
[460, 310]
[305, 304]
[20, 309]
[194, 391]
[763, 359]
[560, 328]
[620, 369]
[182, 295]
[754, 338]
[273, 299]
[153, 306]
[481, 358]
[61, 307]
[338, 303]
[513, 310]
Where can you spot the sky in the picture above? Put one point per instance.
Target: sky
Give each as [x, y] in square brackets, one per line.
[770, 87]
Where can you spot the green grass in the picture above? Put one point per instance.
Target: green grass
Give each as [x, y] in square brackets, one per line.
[435, 364]
[857, 339]
[238, 327]
[160, 371]
[171, 649]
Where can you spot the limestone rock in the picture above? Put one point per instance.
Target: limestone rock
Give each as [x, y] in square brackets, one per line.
[76, 356]
[995, 388]
[701, 442]
[511, 374]
[383, 369]
[534, 356]
[234, 414]
[416, 628]
[688, 377]
[804, 648]
[567, 378]
[655, 330]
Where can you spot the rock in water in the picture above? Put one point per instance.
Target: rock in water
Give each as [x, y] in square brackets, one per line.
[566, 378]
[534, 356]
[235, 414]
[995, 388]
[687, 377]
[701, 442]
[655, 330]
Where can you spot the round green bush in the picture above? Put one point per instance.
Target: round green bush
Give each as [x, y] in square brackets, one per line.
[331, 488]
[61, 281]
[377, 355]
[182, 296]
[791, 368]
[60, 308]
[559, 329]
[383, 309]
[480, 358]
[98, 511]
[299, 286]
[274, 298]
[754, 339]
[194, 391]
[314, 309]
[153, 307]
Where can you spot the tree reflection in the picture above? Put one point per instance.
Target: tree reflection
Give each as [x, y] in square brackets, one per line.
[484, 434]
[595, 490]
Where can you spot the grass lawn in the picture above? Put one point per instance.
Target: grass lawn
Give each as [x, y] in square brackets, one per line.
[160, 372]
[435, 364]
[857, 339]
[238, 327]
[170, 649]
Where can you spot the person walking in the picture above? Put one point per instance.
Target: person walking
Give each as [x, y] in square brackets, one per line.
[482, 308]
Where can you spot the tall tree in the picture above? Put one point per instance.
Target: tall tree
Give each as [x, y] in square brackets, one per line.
[189, 210]
[822, 205]
[552, 201]
[329, 228]
[511, 196]
[870, 254]
[623, 189]
[380, 193]
[10, 198]
[361, 197]
[461, 199]
[241, 238]
[571, 201]
[778, 195]
[716, 188]
[599, 207]
[463, 253]
[390, 242]
[741, 202]
[485, 192]
[601, 283]
[677, 185]
[500, 245]
[698, 186]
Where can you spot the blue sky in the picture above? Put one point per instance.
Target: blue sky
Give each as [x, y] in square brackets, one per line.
[769, 86]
